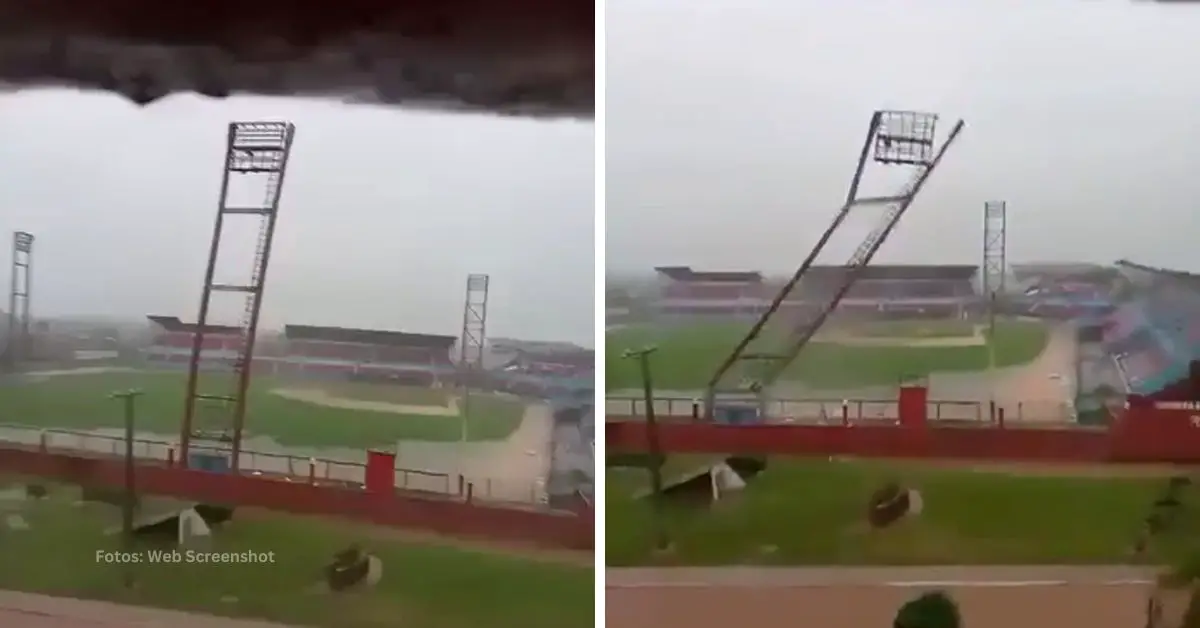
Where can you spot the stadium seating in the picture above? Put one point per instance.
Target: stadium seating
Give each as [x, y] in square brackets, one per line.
[1155, 337]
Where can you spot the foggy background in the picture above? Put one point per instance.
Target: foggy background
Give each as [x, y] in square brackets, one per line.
[733, 128]
[383, 213]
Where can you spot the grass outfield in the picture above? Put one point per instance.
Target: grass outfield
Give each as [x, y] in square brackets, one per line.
[423, 585]
[814, 512]
[687, 357]
[81, 402]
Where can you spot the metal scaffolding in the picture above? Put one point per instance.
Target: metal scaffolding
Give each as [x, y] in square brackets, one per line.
[18, 345]
[256, 153]
[471, 343]
[896, 138]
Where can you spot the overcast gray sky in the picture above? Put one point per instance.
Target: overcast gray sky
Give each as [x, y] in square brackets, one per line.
[733, 127]
[384, 213]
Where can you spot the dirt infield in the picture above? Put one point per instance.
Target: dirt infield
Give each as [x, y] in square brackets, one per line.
[999, 597]
[29, 610]
[319, 397]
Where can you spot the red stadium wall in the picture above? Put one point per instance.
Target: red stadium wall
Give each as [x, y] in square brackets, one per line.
[444, 516]
[1162, 433]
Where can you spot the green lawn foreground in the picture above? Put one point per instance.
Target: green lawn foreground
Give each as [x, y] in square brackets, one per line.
[423, 585]
[82, 402]
[687, 357]
[813, 512]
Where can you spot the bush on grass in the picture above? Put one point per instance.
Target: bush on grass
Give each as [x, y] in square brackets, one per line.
[888, 504]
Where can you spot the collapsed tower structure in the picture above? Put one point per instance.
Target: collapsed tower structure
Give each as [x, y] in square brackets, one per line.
[894, 138]
[256, 153]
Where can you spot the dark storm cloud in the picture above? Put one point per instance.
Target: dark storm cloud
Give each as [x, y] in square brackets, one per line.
[733, 126]
[384, 213]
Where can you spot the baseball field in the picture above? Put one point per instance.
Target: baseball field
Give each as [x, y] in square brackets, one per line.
[841, 356]
[310, 414]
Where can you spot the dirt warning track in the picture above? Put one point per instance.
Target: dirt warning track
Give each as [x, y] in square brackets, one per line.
[999, 597]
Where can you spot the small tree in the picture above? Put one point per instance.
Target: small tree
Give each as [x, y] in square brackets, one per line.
[931, 610]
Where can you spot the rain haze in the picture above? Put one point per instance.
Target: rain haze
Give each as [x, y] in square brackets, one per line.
[384, 213]
[733, 128]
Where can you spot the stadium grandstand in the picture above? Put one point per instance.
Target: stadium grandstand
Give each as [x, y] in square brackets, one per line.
[1154, 336]
[311, 351]
[895, 291]
[1062, 290]
[525, 368]
[543, 369]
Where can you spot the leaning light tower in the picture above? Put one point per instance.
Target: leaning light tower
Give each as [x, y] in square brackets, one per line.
[17, 345]
[256, 156]
[900, 139]
[471, 344]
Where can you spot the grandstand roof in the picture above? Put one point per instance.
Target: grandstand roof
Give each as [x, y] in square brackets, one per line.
[173, 324]
[1179, 275]
[368, 337]
[1078, 271]
[899, 272]
[580, 358]
[686, 273]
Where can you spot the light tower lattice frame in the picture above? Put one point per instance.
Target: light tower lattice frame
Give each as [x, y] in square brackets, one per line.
[252, 149]
[19, 291]
[472, 343]
[895, 138]
[995, 265]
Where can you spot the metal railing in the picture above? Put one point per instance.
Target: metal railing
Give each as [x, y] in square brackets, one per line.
[835, 410]
[294, 468]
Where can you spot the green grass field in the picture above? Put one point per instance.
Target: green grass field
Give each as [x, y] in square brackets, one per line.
[812, 512]
[81, 402]
[688, 357]
[423, 585]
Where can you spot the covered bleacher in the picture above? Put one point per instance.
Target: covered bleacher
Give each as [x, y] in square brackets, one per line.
[367, 346]
[173, 339]
[1154, 337]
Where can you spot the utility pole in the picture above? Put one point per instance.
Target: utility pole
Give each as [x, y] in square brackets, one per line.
[129, 400]
[656, 456]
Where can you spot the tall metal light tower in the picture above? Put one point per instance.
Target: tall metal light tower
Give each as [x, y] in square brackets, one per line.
[896, 138]
[995, 265]
[471, 344]
[20, 287]
[255, 153]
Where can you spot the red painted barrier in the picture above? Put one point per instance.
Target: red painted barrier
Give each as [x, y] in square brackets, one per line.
[440, 515]
[381, 471]
[1160, 433]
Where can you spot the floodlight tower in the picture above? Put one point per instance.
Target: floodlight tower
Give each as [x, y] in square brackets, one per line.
[255, 153]
[471, 343]
[897, 138]
[995, 265]
[20, 287]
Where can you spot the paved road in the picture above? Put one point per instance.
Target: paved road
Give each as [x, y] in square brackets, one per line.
[790, 577]
[988, 597]
[28, 610]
